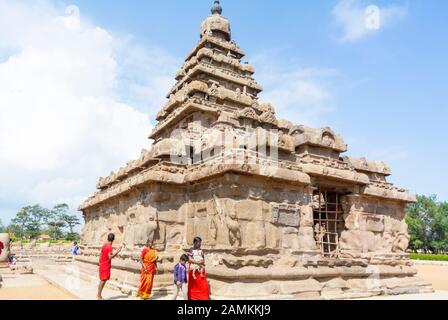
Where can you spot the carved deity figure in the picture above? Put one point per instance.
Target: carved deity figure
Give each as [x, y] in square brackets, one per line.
[234, 228]
[152, 225]
[318, 201]
[141, 225]
[327, 140]
[213, 89]
[319, 231]
[401, 243]
[213, 228]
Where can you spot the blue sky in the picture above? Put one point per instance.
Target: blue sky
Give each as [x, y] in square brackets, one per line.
[385, 90]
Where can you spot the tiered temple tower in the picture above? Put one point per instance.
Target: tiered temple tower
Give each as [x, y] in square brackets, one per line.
[281, 212]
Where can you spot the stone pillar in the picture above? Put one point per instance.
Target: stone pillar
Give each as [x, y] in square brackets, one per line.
[4, 237]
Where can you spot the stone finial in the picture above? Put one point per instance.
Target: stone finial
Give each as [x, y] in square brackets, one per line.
[216, 8]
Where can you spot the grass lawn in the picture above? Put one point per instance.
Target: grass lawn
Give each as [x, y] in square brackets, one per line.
[429, 257]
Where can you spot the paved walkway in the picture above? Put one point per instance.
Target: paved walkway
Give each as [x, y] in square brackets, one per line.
[84, 287]
[67, 278]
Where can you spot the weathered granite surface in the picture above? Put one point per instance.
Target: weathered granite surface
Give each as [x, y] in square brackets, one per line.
[4, 238]
[255, 206]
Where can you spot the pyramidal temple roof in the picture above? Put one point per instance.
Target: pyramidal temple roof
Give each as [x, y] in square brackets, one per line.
[217, 85]
[214, 68]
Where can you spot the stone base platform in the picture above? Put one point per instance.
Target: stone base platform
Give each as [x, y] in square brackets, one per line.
[309, 282]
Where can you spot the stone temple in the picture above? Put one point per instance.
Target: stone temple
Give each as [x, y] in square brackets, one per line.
[281, 215]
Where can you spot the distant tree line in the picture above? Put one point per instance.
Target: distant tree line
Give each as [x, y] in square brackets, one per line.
[428, 225]
[32, 221]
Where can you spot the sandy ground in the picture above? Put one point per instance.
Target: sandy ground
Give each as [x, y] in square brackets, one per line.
[30, 287]
[436, 275]
[45, 292]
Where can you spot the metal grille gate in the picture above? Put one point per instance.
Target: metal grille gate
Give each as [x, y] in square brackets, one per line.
[328, 222]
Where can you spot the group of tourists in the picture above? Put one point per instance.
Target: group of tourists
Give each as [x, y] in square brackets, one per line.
[189, 275]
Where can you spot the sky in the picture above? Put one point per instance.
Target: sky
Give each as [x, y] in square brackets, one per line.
[82, 81]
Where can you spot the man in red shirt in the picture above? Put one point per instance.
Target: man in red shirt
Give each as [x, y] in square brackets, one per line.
[107, 254]
[2, 246]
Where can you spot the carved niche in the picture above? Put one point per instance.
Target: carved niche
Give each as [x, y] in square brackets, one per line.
[286, 215]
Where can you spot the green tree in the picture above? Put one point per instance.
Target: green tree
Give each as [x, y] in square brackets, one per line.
[38, 216]
[60, 209]
[2, 227]
[428, 224]
[66, 220]
[55, 229]
[72, 236]
[21, 221]
[71, 221]
[13, 229]
[439, 229]
[30, 221]
[55, 220]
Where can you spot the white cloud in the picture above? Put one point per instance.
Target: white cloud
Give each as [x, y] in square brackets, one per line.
[64, 117]
[359, 19]
[301, 95]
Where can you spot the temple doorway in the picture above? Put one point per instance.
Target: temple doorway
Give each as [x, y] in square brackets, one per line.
[328, 221]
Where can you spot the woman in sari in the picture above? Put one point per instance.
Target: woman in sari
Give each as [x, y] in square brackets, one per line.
[148, 260]
[198, 288]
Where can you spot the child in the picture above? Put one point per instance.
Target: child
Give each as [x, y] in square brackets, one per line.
[11, 260]
[197, 258]
[180, 278]
[75, 249]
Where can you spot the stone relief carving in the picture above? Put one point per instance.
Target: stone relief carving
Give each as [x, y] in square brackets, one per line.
[233, 225]
[286, 215]
[248, 113]
[401, 243]
[319, 232]
[328, 139]
[142, 224]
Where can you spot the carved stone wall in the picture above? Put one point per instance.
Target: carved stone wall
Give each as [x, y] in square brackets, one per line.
[255, 215]
[373, 226]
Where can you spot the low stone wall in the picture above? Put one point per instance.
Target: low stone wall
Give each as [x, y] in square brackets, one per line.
[430, 263]
[27, 253]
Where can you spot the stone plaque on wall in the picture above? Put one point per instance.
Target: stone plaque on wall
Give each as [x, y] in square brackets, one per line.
[286, 215]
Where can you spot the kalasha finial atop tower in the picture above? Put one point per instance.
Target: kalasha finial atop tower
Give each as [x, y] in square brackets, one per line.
[217, 9]
[216, 25]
